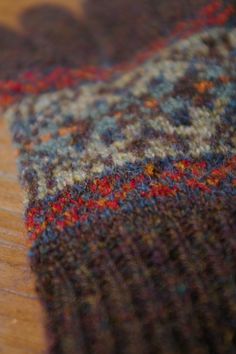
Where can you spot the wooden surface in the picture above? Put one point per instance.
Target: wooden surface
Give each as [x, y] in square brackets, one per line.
[21, 315]
[10, 10]
[21, 330]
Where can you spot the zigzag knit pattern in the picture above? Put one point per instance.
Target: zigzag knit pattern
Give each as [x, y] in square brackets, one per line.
[130, 176]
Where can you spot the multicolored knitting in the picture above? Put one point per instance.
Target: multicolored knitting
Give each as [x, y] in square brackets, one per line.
[130, 173]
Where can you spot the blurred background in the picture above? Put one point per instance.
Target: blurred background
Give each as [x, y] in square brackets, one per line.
[82, 32]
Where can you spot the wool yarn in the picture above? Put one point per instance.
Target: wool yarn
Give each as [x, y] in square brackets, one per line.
[130, 174]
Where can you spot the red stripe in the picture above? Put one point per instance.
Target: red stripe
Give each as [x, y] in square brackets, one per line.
[192, 175]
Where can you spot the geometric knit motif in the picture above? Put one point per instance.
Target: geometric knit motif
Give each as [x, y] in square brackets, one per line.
[130, 177]
[69, 135]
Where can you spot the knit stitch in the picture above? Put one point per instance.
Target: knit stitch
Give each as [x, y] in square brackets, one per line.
[130, 175]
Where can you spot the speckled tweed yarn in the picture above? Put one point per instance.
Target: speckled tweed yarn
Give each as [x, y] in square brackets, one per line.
[130, 173]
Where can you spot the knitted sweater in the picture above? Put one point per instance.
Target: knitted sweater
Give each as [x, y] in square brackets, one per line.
[130, 174]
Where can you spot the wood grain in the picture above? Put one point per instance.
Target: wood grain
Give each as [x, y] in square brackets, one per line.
[21, 315]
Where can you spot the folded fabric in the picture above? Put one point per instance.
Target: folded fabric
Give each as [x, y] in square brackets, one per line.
[130, 175]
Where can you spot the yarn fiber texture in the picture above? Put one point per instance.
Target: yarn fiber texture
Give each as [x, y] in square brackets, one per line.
[130, 175]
